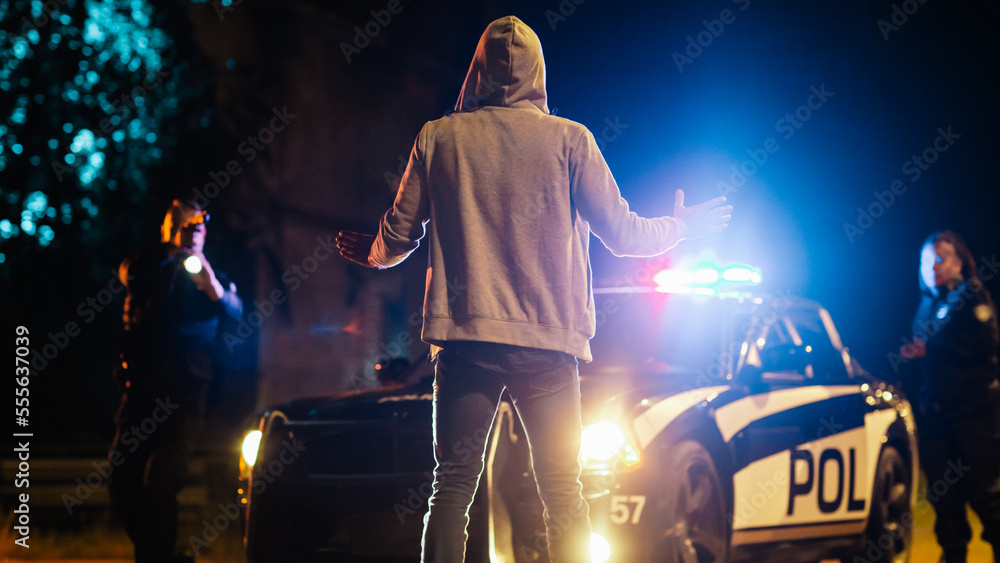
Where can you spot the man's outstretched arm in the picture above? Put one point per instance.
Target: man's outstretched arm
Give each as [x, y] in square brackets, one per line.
[401, 228]
[600, 203]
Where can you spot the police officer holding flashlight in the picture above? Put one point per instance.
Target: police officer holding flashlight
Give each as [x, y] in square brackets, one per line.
[173, 309]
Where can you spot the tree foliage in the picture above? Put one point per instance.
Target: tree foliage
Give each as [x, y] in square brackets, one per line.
[90, 93]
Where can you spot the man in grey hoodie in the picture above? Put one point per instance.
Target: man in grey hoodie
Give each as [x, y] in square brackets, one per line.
[510, 195]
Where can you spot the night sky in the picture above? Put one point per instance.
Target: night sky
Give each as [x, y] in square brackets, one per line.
[685, 93]
[842, 133]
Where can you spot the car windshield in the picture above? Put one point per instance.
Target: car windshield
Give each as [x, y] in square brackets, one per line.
[664, 332]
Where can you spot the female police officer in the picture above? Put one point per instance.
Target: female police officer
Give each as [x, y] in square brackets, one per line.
[956, 343]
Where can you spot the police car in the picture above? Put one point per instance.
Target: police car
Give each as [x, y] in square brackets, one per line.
[717, 428]
[733, 429]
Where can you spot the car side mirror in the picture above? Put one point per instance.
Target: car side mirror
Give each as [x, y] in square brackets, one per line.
[392, 371]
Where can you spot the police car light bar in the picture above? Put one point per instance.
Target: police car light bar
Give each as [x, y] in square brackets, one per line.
[706, 279]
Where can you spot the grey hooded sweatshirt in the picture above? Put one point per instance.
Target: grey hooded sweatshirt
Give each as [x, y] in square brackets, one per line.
[510, 194]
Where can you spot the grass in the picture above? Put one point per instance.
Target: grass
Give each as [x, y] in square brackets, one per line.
[102, 539]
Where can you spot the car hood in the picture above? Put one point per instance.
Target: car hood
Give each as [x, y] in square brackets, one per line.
[605, 393]
[608, 393]
[378, 403]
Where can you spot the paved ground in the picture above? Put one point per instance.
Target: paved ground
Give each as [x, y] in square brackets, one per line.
[925, 550]
[98, 539]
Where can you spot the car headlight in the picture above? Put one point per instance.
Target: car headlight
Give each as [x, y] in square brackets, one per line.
[602, 441]
[251, 443]
[600, 549]
[605, 440]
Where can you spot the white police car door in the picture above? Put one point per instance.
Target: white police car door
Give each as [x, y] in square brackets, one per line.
[803, 459]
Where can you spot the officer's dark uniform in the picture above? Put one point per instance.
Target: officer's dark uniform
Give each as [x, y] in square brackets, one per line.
[959, 413]
[170, 329]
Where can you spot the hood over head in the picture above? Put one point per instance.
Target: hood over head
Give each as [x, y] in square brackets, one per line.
[507, 70]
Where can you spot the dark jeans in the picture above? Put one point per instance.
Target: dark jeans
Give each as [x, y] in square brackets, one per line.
[545, 387]
[154, 443]
[962, 468]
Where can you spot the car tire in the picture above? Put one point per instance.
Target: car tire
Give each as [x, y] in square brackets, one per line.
[693, 510]
[887, 535]
[271, 537]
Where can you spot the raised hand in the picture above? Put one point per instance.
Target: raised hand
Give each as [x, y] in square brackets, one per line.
[356, 247]
[702, 219]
